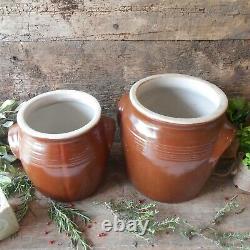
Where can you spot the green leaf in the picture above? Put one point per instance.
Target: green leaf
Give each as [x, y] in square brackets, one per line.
[4, 179]
[2, 116]
[9, 158]
[238, 111]
[8, 124]
[244, 139]
[246, 160]
[3, 150]
[8, 105]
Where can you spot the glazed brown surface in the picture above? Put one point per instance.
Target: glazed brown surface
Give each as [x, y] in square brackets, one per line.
[65, 170]
[170, 162]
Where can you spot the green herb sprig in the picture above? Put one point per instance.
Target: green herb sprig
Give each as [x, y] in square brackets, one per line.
[8, 112]
[64, 216]
[127, 210]
[246, 160]
[244, 139]
[132, 210]
[228, 209]
[20, 186]
[238, 111]
[239, 114]
[26, 197]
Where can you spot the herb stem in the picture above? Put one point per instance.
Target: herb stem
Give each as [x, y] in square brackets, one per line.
[64, 217]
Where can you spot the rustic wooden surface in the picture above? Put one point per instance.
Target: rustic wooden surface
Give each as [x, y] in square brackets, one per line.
[31, 20]
[102, 47]
[198, 212]
[107, 69]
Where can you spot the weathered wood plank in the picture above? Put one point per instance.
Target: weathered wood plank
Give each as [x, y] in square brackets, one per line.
[29, 20]
[198, 211]
[107, 68]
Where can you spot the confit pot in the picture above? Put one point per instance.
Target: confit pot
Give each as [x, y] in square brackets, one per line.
[63, 143]
[173, 130]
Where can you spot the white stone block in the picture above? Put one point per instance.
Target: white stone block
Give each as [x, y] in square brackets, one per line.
[8, 220]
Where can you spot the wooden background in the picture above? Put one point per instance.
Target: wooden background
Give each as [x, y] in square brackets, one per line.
[102, 46]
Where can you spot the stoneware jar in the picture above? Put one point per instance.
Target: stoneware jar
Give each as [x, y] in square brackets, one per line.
[173, 129]
[63, 143]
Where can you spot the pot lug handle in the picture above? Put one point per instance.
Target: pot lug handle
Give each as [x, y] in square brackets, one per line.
[109, 129]
[123, 102]
[121, 105]
[13, 139]
[224, 140]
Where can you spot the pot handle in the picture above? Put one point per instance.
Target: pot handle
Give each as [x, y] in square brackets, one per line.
[121, 105]
[224, 140]
[109, 129]
[13, 139]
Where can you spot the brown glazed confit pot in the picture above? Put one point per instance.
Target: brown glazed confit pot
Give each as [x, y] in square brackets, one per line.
[63, 143]
[173, 130]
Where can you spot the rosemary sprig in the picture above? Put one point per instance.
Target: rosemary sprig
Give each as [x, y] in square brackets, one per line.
[65, 217]
[19, 184]
[24, 206]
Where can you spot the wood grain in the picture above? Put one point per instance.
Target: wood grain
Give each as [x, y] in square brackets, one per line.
[107, 69]
[28, 20]
[102, 47]
[198, 211]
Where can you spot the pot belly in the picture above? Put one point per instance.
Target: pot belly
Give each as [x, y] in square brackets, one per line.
[164, 172]
[66, 183]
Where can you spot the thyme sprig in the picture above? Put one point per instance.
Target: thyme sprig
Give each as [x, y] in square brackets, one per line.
[127, 210]
[229, 208]
[132, 210]
[64, 217]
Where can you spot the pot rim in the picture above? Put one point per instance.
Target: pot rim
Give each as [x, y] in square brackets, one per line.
[215, 92]
[59, 95]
